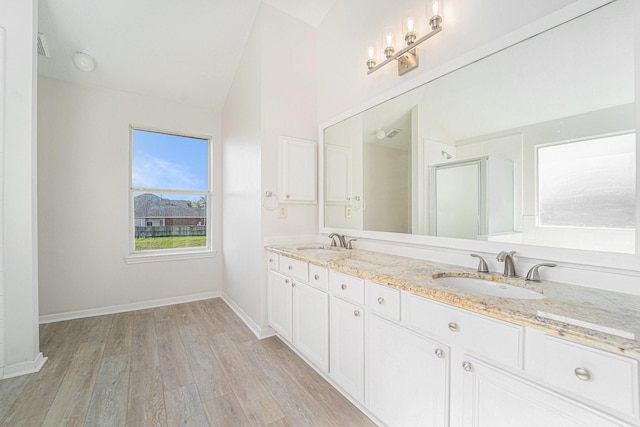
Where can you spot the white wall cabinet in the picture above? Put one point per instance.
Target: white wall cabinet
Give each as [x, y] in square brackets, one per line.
[407, 376]
[297, 170]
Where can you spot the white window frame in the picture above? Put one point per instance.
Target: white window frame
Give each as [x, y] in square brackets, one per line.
[177, 253]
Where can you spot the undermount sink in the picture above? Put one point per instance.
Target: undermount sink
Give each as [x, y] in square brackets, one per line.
[319, 250]
[488, 287]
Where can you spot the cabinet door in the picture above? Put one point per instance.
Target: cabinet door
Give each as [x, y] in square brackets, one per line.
[346, 365]
[279, 304]
[296, 170]
[338, 175]
[407, 376]
[496, 398]
[311, 324]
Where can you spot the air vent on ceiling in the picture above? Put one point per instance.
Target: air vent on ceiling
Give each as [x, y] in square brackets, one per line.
[43, 46]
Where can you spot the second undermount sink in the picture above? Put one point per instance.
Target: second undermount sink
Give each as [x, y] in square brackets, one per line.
[488, 287]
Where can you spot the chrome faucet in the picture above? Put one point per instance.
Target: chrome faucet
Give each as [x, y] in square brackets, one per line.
[482, 264]
[341, 240]
[509, 267]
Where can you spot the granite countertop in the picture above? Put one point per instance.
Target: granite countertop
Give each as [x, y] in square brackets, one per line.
[603, 319]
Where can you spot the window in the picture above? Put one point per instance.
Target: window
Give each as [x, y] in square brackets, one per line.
[588, 183]
[170, 192]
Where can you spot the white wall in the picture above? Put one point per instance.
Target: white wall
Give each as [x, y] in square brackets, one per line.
[19, 244]
[83, 176]
[273, 94]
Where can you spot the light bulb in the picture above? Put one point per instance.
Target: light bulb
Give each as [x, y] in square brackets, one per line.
[410, 25]
[435, 8]
[371, 52]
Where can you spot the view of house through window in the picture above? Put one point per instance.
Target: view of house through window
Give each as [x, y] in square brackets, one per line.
[170, 191]
[589, 183]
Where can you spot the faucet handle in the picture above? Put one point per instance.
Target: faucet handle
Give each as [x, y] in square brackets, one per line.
[482, 265]
[533, 275]
[349, 246]
[503, 254]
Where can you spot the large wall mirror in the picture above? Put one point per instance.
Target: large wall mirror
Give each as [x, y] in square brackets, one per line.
[534, 144]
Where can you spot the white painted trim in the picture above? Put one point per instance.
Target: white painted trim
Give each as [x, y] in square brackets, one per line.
[23, 368]
[139, 258]
[48, 318]
[258, 331]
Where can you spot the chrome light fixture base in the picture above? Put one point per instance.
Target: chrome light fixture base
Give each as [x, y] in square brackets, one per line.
[408, 62]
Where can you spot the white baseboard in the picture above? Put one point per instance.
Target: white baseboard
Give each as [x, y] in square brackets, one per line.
[23, 368]
[258, 331]
[48, 318]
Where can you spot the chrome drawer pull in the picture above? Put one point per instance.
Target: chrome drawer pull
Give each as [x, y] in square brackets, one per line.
[582, 374]
[467, 366]
[293, 285]
[286, 281]
[380, 300]
[316, 277]
[291, 267]
[439, 353]
[356, 313]
[453, 327]
[343, 287]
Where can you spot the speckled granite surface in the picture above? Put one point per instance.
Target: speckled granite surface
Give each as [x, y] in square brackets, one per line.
[603, 319]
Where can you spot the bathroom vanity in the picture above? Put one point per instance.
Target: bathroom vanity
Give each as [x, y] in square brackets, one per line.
[411, 350]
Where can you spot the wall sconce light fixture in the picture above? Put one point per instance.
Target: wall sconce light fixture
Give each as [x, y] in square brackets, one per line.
[407, 57]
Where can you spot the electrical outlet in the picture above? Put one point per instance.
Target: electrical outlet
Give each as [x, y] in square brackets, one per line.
[283, 211]
[347, 211]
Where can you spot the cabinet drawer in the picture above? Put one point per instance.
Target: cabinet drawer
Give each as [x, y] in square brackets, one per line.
[294, 268]
[475, 334]
[383, 300]
[603, 377]
[319, 277]
[347, 287]
[272, 261]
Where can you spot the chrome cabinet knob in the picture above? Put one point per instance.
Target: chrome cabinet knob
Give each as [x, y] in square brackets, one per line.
[293, 285]
[380, 300]
[317, 277]
[582, 374]
[291, 267]
[356, 313]
[286, 281]
[439, 353]
[287, 196]
[467, 366]
[270, 259]
[453, 327]
[343, 287]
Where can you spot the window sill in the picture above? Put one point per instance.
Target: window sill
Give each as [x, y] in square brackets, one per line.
[139, 258]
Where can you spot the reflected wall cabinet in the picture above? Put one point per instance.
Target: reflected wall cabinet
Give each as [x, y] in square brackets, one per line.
[297, 170]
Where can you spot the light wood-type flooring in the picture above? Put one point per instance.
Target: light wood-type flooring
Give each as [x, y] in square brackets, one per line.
[193, 364]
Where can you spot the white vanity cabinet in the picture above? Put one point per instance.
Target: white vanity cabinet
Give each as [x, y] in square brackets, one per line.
[347, 333]
[279, 300]
[299, 312]
[407, 376]
[498, 398]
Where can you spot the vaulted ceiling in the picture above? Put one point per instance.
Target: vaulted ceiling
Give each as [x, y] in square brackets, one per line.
[185, 51]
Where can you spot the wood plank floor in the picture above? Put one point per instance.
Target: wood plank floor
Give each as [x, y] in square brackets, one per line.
[192, 364]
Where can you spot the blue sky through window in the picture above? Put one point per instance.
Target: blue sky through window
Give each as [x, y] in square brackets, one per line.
[171, 162]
